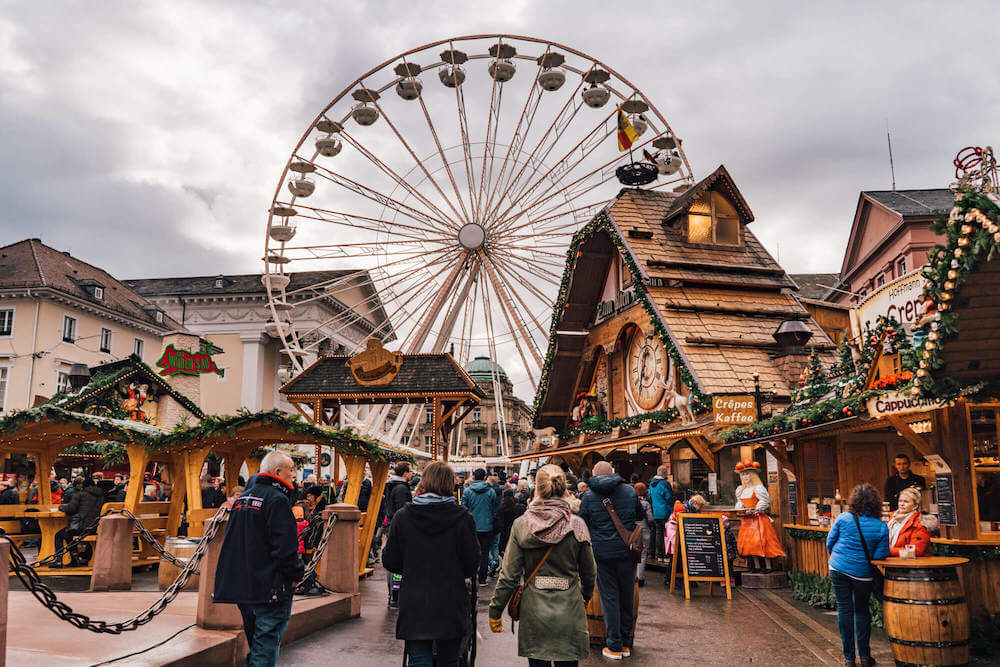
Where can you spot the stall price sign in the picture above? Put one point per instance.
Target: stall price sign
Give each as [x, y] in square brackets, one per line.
[701, 544]
[793, 498]
[944, 484]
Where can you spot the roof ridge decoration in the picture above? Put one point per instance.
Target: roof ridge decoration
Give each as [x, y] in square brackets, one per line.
[375, 366]
[682, 203]
[603, 222]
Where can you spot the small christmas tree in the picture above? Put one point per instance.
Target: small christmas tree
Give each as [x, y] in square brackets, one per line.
[817, 382]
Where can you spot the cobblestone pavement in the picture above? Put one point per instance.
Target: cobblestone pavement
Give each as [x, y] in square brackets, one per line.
[760, 627]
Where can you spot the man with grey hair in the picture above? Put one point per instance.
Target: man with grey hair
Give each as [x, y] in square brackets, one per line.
[259, 562]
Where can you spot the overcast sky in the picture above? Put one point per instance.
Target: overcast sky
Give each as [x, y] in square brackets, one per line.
[148, 138]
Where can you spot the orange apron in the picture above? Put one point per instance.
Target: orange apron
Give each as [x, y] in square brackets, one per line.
[757, 536]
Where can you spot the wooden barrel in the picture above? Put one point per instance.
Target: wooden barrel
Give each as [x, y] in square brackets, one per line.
[181, 548]
[926, 617]
[595, 616]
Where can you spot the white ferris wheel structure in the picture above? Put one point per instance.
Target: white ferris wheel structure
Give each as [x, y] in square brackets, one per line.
[444, 186]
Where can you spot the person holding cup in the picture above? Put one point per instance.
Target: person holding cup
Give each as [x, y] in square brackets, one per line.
[908, 537]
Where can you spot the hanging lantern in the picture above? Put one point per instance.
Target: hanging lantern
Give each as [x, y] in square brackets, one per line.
[966, 230]
[963, 241]
[958, 252]
[952, 274]
[949, 284]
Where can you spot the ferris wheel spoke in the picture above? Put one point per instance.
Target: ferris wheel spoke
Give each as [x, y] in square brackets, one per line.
[533, 268]
[400, 181]
[519, 137]
[380, 198]
[552, 222]
[512, 276]
[514, 321]
[357, 221]
[423, 329]
[369, 244]
[590, 141]
[492, 122]
[420, 163]
[527, 162]
[504, 276]
[444, 160]
[517, 342]
[605, 172]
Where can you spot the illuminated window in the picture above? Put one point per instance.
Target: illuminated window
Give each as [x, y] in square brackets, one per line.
[712, 219]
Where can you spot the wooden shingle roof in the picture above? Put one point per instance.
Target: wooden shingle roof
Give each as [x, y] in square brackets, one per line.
[418, 375]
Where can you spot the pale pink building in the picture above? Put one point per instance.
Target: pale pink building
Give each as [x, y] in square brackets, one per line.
[889, 238]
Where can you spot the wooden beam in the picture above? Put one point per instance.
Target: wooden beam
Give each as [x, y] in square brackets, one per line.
[779, 454]
[920, 444]
[138, 459]
[302, 412]
[701, 447]
[355, 475]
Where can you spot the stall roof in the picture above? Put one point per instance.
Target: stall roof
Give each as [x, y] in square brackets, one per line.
[420, 376]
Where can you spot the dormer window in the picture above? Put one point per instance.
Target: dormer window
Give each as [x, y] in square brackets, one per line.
[158, 316]
[94, 289]
[712, 219]
[221, 282]
[99, 293]
[154, 312]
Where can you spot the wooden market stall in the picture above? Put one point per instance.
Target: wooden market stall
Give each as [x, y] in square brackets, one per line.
[934, 396]
[388, 382]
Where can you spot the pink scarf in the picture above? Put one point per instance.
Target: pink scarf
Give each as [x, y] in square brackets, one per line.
[550, 520]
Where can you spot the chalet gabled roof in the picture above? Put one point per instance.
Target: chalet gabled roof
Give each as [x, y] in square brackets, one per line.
[106, 377]
[419, 374]
[718, 180]
[714, 307]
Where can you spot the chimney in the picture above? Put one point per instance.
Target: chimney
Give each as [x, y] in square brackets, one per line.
[792, 357]
[169, 412]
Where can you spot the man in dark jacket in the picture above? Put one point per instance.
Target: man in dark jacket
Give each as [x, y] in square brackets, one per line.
[480, 499]
[615, 568]
[9, 495]
[397, 489]
[259, 562]
[661, 497]
[83, 508]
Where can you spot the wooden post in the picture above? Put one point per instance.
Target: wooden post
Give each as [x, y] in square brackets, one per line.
[338, 567]
[178, 491]
[212, 616]
[355, 475]
[43, 463]
[233, 461]
[253, 466]
[380, 472]
[193, 460]
[113, 554]
[435, 427]
[138, 459]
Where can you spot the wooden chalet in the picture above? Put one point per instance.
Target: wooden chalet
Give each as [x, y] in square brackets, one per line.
[669, 307]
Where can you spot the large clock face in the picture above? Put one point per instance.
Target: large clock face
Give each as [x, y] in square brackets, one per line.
[648, 370]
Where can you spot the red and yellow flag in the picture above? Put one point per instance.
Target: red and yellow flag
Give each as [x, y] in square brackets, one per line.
[626, 133]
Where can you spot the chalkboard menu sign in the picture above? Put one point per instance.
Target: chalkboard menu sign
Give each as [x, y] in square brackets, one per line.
[793, 498]
[945, 486]
[701, 545]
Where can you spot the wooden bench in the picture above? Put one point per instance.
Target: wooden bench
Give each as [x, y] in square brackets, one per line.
[10, 521]
[154, 518]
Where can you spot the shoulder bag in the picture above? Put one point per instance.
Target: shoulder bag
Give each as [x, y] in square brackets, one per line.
[878, 581]
[633, 540]
[514, 604]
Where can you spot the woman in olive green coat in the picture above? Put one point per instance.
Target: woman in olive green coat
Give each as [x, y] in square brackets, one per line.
[553, 625]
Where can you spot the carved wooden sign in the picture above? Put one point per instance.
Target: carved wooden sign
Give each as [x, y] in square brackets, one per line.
[375, 366]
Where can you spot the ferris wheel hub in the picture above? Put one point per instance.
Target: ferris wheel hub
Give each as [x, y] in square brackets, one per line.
[472, 236]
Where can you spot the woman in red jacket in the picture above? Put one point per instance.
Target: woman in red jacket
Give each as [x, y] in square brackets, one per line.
[905, 527]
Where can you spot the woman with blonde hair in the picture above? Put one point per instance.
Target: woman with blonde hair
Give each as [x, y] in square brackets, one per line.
[757, 538]
[550, 548]
[905, 526]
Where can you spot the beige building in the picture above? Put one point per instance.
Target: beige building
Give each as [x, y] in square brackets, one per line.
[56, 311]
[478, 436]
[231, 311]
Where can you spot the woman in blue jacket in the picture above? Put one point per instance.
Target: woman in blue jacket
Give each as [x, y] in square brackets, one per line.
[850, 573]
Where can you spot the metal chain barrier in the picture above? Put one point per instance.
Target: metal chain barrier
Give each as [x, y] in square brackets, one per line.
[309, 585]
[57, 555]
[150, 539]
[47, 597]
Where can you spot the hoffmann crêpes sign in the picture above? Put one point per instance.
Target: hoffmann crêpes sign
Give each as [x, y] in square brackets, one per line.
[897, 300]
[732, 410]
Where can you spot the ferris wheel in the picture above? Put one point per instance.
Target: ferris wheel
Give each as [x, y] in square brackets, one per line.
[437, 194]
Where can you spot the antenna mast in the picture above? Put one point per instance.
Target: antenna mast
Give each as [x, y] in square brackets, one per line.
[892, 168]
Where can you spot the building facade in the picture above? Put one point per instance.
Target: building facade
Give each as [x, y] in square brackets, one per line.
[56, 311]
[478, 439]
[231, 311]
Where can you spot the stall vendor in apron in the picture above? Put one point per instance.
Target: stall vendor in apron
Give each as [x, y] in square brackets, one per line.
[757, 539]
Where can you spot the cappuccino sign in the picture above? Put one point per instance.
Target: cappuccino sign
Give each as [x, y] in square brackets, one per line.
[897, 300]
[896, 403]
[734, 410]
